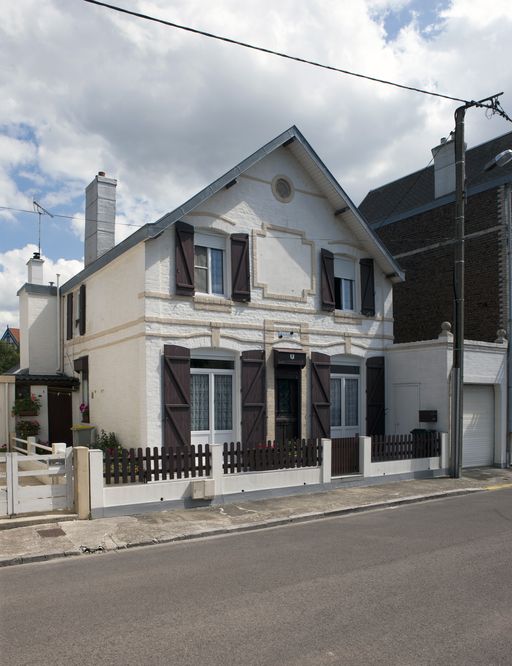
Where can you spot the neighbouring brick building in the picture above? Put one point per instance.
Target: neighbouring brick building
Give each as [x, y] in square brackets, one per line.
[415, 217]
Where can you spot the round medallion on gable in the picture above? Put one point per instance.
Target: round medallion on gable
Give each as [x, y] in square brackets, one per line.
[282, 189]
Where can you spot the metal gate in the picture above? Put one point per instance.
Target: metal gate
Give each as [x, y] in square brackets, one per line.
[344, 456]
[32, 483]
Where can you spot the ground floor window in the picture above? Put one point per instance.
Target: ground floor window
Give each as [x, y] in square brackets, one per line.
[211, 395]
[345, 397]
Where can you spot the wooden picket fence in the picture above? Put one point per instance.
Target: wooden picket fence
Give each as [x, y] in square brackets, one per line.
[155, 464]
[406, 447]
[271, 456]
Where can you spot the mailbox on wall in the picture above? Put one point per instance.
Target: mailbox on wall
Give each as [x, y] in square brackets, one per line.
[294, 358]
[428, 416]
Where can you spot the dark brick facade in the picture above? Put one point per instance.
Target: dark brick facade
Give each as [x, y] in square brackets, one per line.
[426, 298]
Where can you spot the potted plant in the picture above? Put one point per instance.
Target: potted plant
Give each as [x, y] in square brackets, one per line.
[28, 406]
[26, 429]
[84, 409]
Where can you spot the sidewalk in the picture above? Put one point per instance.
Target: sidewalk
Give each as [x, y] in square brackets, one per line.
[49, 540]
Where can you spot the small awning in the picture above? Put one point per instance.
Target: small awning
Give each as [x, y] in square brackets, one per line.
[289, 357]
[47, 380]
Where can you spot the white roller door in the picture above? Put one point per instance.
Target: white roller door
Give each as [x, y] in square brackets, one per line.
[478, 448]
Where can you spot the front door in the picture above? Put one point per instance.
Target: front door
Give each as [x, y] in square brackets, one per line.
[59, 415]
[287, 405]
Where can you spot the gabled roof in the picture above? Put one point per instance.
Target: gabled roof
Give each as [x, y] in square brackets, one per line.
[11, 335]
[414, 193]
[293, 140]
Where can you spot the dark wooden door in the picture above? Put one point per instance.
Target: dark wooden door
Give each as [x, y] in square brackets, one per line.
[59, 416]
[287, 405]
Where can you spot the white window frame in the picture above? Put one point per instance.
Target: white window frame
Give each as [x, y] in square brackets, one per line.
[212, 242]
[345, 269]
[211, 435]
[343, 426]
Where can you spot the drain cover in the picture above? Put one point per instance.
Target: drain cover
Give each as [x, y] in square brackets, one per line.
[52, 532]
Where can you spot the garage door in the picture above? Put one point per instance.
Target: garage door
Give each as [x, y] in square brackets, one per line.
[478, 425]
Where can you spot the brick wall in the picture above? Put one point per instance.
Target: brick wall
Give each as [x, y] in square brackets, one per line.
[426, 298]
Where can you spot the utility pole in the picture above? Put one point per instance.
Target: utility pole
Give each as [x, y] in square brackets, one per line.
[458, 281]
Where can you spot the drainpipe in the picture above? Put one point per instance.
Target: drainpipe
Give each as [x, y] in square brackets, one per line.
[59, 368]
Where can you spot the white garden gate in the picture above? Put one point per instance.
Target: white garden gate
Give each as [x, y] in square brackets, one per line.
[34, 483]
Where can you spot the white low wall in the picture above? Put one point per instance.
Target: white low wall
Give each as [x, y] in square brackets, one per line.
[139, 497]
[393, 467]
[103, 497]
[278, 478]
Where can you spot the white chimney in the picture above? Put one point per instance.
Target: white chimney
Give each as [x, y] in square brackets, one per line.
[444, 167]
[100, 217]
[35, 269]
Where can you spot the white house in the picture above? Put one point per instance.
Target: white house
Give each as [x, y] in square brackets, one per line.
[259, 309]
[237, 317]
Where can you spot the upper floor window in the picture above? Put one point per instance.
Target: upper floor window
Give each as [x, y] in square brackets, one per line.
[208, 270]
[209, 264]
[344, 281]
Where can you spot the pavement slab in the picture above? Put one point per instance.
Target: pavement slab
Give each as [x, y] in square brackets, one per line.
[50, 538]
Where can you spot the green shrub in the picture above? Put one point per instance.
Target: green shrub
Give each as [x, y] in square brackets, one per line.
[107, 441]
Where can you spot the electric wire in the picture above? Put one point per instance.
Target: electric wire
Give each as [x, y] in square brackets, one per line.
[279, 54]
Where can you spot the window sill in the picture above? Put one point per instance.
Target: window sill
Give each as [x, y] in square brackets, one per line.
[348, 316]
[205, 301]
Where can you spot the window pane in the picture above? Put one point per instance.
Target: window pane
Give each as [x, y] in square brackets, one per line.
[351, 402]
[200, 268]
[217, 270]
[223, 402]
[200, 401]
[211, 363]
[200, 256]
[335, 402]
[201, 279]
[347, 294]
[337, 293]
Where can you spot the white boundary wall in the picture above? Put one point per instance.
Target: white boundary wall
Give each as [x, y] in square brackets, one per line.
[130, 494]
[394, 467]
[140, 497]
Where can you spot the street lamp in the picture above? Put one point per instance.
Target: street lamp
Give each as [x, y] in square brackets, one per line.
[500, 160]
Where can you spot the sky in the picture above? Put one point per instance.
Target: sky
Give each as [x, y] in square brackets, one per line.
[165, 112]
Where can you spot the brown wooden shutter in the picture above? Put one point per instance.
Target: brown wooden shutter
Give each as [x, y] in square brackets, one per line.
[367, 287]
[375, 396]
[176, 395]
[69, 316]
[240, 277]
[320, 395]
[253, 398]
[81, 304]
[327, 280]
[184, 255]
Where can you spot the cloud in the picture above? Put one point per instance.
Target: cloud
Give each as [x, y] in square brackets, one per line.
[13, 275]
[165, 111]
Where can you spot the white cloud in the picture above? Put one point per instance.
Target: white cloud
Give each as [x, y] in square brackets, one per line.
[13, 275]
[165, 111]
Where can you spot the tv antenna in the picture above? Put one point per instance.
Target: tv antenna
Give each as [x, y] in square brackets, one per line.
[40, 211]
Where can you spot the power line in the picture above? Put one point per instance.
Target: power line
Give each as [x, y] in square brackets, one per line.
[279, 54]
[403, 239]
[67, 217]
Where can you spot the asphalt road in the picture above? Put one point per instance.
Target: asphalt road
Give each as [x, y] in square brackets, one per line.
[422, 584]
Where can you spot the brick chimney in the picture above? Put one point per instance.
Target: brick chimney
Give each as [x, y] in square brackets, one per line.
[100, 217]
[444, 167]
[35, 269]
